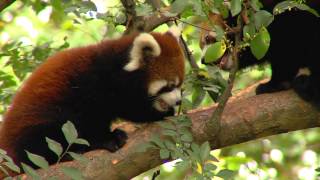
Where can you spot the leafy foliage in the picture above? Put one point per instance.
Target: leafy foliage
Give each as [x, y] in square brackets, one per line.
[71, 136]
[178, 144]
[76, 22]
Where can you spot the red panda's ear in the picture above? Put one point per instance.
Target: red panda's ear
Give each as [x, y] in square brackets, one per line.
[144, 46]
[175, 31]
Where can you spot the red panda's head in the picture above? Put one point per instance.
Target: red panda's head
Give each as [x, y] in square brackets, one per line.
[162, 58]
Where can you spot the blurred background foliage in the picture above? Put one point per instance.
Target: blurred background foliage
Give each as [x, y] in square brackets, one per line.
[31, 30]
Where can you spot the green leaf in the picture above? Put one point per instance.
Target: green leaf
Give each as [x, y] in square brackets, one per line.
[198, 96]
[205, 151]
[157, 141]
[185, 124]
[120, 18]
[179, 5]
[249, 30]
[215, 51]
[70, 132]
[143, 9]
[170, 145]
[38, 160]
[82, 142]
[12, 166]
[288, 5]
[187, 137]
[79, 157]
[54, 146]
[3, 154]
[195, 148]
[86, 6]
[226, 174]
[169, 132]
[197, 7]
[183, 165]
[73, 173]
[260, 44]
[164, 154]
[210, 167]
[255, 4]
[220, 32]
[30, 171]
[236, 7]
[224, 11]
[262, 19]
[167, 125]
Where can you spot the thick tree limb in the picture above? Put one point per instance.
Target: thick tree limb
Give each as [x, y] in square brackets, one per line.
[5, 3]
[243, 120]
[144, 23]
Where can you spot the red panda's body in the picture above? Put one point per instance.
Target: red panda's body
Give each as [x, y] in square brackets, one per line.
[92, 86]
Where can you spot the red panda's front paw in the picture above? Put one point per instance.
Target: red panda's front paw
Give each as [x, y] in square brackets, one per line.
[118, 140]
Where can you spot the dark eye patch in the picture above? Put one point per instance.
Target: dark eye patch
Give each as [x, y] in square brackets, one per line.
[166, 89]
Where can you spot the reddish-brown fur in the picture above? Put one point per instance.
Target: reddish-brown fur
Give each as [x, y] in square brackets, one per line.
[38, 101]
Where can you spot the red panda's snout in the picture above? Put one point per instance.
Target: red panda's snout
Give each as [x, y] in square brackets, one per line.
[167, 94]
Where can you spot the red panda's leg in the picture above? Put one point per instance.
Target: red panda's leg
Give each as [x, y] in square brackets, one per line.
[307, 86]
[282, 78]
[115, 140]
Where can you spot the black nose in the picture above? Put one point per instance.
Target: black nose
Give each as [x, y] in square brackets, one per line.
[178, 102]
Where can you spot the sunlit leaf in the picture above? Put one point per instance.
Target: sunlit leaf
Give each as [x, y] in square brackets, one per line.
[38, 160]
[205, 151]
[30, 171]
[215, 51]
[54, 146]
[260, 44]
[170, 145]
[164, 154]
[226, 174]
[288, 5]
[12, 166]
[79, 157]
[236, 6]
[262, 19]
[81, 141]
[187, 137]
[70, 132]
[156, 140]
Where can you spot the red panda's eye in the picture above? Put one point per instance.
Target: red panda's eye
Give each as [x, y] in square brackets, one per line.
[166, 89]
[209, 39]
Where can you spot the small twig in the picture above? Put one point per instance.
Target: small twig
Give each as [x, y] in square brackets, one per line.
[199, 27]
[229, 30]
[155, 174]
[188, 53]
[215, 123]
[130, 11]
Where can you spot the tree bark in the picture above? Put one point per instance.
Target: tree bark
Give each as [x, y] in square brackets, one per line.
[244, 119]
[5, 3]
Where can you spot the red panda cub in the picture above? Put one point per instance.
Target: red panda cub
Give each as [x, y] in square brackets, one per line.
[137, 77]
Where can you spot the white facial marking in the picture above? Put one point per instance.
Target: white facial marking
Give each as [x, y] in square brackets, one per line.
[167, 100]
[155, 86]
[177, 81]
[304, 71]
[136, 54]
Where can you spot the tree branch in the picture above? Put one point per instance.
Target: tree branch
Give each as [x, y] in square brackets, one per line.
[5, 3]
[144, 23]
[244, 119]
